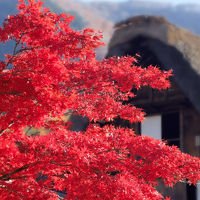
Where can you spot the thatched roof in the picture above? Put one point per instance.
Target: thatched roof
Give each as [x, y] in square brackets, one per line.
[174, 47]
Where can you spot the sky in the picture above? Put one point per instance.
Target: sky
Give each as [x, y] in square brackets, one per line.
[167, 1]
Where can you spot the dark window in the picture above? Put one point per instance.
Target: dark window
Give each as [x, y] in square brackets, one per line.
[191, 192]
[170, 128]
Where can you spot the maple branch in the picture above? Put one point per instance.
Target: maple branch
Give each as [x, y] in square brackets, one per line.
[6, 177]
[62, 175]
[14, 52]
[20, 50]
[10, 189]
[19, 177]
[15, 72]
[26, 49]
[53, 162]
[16, 94]
[109, 150]
[3, 130]
[29, 128]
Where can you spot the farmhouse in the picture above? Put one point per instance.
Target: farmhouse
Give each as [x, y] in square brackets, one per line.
[174, 114]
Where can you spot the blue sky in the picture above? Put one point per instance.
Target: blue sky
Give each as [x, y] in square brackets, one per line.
[167, 1]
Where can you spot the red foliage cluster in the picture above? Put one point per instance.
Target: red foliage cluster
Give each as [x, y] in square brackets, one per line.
[53, 69]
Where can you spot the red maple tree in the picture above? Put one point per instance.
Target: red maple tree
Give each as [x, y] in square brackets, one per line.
[53, 69]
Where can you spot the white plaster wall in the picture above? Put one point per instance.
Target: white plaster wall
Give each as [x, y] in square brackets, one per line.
[198, 190]
[152, 127]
